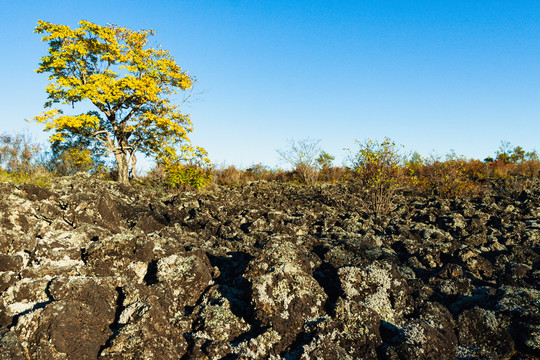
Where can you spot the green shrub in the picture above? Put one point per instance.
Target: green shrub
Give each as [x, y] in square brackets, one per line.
[377, 165]
[441, 177]
[187, 176]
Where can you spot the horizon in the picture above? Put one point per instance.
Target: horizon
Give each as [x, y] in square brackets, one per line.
[430, 76]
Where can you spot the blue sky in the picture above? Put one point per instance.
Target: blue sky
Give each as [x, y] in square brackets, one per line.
[431, 75]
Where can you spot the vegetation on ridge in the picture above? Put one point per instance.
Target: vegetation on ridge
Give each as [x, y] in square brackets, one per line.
[380, 170]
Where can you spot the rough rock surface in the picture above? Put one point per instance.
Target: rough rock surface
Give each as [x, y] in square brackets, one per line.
[94, 270]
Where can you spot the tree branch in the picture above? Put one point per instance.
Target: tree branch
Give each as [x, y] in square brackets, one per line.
[130, 114]
[109, 144]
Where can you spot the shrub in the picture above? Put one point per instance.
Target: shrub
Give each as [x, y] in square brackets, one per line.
[302, 156]
[230, 175]
[334, 174]
[227, 175]
[39, 178]
[187, 176]
[189, 169]
[446, 178]
[477, 170]
[76, 159]
[324, 161]
[377, 165]
[516, 155]
[530, 168]
[18, 154]
[257, 172]
[22, 161]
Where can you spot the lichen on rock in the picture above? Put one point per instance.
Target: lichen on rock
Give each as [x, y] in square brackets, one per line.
[267, 270]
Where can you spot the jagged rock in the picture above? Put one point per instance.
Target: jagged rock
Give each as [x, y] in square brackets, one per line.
[380, 287]
[285, 294]
[10, 348]
[216, 325]
[523, 307]
[72, 323]
[353, 333]
[94, 269]
[143, 327]
[419, 340]
[486, 332]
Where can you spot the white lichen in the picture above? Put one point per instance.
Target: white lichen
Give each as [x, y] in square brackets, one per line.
[414, 334]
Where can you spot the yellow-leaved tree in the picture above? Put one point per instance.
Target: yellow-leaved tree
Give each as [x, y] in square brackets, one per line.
[130, 84]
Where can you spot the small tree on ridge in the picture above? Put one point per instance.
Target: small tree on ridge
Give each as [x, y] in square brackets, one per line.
[302, 156]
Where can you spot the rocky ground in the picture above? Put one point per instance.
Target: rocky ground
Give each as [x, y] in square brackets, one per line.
[92, 269]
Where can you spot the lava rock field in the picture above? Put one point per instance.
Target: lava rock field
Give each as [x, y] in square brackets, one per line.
[91, 269]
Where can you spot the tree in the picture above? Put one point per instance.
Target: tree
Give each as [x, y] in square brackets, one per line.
[302, 155]
[503, 154]
[129, 83]
[516, 155]
[325, 160]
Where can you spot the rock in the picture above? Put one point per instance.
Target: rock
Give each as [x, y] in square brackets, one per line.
[353, 333]
[185, 275]
[10, 348]
[73, 323]
[215, 324]
[486, 332]
[144, 328]
[522, 305]
[284, 293]
[10, 262]
[419, 340]
[266, 270]
[378, 286]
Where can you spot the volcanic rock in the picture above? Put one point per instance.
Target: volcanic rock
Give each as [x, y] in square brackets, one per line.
[92, 269]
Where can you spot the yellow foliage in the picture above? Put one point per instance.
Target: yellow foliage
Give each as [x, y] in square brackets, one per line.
[111, 67]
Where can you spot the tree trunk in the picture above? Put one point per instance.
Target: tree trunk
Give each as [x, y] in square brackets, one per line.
[121, 152]
[133, 160]
[123, 168]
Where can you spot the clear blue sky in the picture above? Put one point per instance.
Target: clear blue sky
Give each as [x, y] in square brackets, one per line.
[431, 75]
